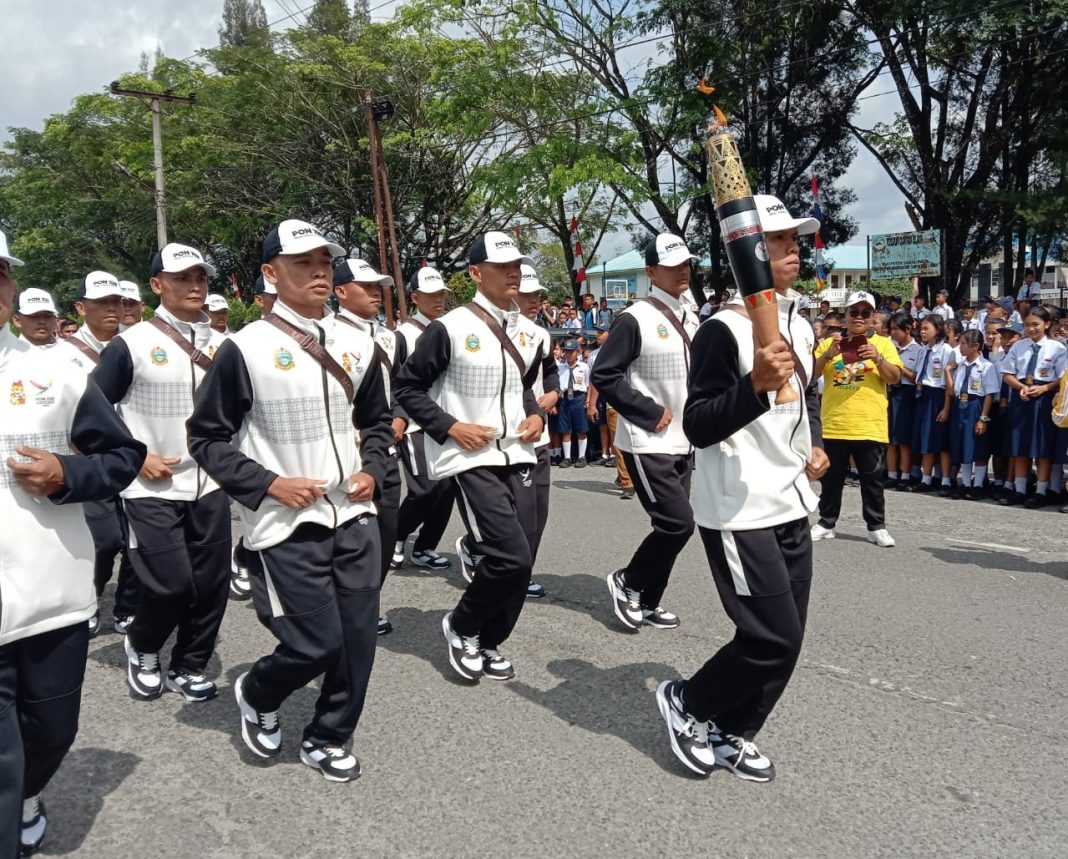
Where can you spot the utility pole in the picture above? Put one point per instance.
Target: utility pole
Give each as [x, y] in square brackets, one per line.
[153, 101]
[376, 110]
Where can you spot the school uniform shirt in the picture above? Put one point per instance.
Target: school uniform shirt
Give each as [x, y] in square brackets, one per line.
[854, 395]
[1030, 293]
[944, 310]
[152, 383]
[1049, 366]
[976, 379]
[919, 314]
[459, 371]
[46, 566]
[958, 356]
[575, 379]
[268, 409]
[910, 360]
[972, 324]
[642, 367]
[934, 365]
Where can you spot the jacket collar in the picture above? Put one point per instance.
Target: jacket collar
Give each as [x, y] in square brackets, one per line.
[368, 326]
[507, 318]
[200, 331]
[87, 337]
[311, 326]
[674, 304]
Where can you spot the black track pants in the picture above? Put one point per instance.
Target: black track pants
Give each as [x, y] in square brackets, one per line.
[428, 502]
[107, 525]
[870, 457]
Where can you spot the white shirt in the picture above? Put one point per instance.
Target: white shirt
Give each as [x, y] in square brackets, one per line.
[1029, 292]
[976, 379]
[1049, 367]
[944, 310]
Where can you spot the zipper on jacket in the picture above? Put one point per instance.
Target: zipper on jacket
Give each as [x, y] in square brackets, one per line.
[801, 409]
[330, 429]
[504, 418]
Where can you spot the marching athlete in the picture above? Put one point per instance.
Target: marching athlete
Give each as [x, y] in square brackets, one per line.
[273, 424]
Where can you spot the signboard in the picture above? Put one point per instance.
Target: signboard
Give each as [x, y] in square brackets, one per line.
[906, 255]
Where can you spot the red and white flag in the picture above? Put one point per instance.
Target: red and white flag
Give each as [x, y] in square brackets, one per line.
[237, 289]
[579, 267]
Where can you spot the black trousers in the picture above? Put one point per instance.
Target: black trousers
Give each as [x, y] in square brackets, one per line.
[428, 502]
[181, 553]
[663, 485]
[763, 578]
[388, 511]
[542, 479]
[870, 457]
[317, 592]
[107, 525]
[40, 700]
[497, 506]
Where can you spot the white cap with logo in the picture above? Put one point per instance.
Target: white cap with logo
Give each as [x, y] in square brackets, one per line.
[130, 290]
[528, 280]
[34, 301]
[427, 279]
[496, 247]
[359, 271]
[99, 284]
[774, 217]
[5, 252]
[175, 258]
[860, 297]
[668, 250]
[216, 303]
[293, 237]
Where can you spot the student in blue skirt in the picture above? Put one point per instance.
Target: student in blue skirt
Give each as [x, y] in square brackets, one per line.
[902, 403]
[1033, 370]
[976, 385]
[1000, 336]
[933, 393]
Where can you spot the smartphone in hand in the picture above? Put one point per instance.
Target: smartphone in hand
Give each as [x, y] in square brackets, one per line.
[850, 347]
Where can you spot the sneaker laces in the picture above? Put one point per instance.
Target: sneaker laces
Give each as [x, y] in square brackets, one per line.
[335, 752]
[696, 729]
[148, 662]
[470, 645]
[31, 808]
[268, 721]
[634, 598]
[492, 654]
[192, 678]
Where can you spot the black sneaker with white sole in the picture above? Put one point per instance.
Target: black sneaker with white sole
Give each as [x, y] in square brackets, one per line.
[467, 560]
[192, 687]
[397, 561]
[94, 625]
[143, 674]
[384, 626]
[688, 736]
[34, 825]
[495, 666]
[535, 591]
[240, 587]
[740, 756]
[659, 618]
[336, 763]
[122, 624]
[430, 560]
[465, 655]
[260, 730]
[626, 603]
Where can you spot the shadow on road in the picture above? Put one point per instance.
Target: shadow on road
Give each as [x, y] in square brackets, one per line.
[600, 487]
[76, 794]
[995, 560]
[418, 633]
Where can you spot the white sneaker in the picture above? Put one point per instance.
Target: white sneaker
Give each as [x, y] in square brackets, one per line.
[818, 533]
[881, 537]
[397, 561]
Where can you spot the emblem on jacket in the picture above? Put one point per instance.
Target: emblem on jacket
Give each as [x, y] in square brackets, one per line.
[158, 356]
[211, 352]
[662, 331]
[39, 391]
[472, 343]
[283, 359]
[522, 338]
[347, 361]
[18, 393]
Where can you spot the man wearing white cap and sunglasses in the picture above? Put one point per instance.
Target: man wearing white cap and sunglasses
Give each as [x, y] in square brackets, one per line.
[469, 384]
[427, 505]
[274, 425]
[179, 522]
[641, 371]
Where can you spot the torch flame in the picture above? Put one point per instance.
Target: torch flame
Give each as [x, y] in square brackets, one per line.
[706, 89]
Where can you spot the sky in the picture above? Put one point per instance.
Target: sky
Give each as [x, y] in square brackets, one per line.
[92, 42]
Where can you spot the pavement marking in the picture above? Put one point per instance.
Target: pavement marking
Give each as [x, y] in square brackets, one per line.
[989, 545]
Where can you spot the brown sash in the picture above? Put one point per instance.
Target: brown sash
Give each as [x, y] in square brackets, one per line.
[314, 348]
[417, 323]
[498, 332]
[83, 347]
[195, 355]
[671, 317]
[800, 370]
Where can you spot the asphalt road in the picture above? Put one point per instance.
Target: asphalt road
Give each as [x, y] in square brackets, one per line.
[927, 716]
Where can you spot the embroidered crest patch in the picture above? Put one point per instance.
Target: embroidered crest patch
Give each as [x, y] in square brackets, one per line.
[346, 362]
[472, 343]
[211, 352]
[283, 359]
[522, 338]
[662, 331]
[158, 356]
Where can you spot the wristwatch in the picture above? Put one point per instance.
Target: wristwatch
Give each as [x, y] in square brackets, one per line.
[984, 418]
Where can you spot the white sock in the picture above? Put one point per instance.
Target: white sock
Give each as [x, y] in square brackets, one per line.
[1056, 479]
[998, 483]
[556, 451]
[893, 475]
[980, 476]
[1041, 489]
[1021, 487]
[947, 481]
[966, 474]
[582, 453]
[906, 476]
[927, 481]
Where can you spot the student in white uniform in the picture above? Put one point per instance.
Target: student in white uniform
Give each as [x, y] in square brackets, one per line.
[976, 385]
[930, 438]
[574, 376]
[942, 307]
[902, 403]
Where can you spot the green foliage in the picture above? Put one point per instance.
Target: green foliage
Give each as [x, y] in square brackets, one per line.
[898, 287]
[461, 287]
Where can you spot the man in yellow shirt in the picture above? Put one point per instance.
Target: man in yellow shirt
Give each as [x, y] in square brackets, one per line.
[856, 370]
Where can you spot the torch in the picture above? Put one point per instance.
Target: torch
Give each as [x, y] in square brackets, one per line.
[739, 223]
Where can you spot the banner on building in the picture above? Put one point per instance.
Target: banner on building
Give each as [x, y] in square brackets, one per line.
[905, 254]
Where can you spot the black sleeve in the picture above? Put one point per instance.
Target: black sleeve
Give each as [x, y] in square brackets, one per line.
[530, 400]
[550, 374]
[221, 402]
[114, 374]
[623, 345]
[371, 417]
[423, 367]
[815, 419]
[109, 457]
[720, 401]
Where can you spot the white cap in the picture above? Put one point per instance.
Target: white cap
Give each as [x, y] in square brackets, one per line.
[427, 279]
[34, 301]
[528, 281]
[860, 298]
[175, 258]
[496, 247]
[667, 249]
[5, 253]
[359, 271]
[294, 237]
[774, 217]
[216, 302]
[130, 290]
[99, 284]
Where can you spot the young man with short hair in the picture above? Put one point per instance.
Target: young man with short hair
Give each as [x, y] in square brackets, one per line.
[469, 384]
[264, 295]
[641, 370]
[36, 318]
[273, 424]
[179, 521]
[218, 310]
[132, 304]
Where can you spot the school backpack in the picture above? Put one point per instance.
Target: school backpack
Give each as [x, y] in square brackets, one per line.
[1060, 404]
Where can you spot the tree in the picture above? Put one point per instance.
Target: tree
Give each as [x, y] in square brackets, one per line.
[330, 18]
[242, 22]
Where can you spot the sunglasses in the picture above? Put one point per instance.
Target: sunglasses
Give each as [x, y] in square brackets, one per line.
[860, 314]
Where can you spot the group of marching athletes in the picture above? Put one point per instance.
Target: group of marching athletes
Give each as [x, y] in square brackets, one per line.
[300, 418]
